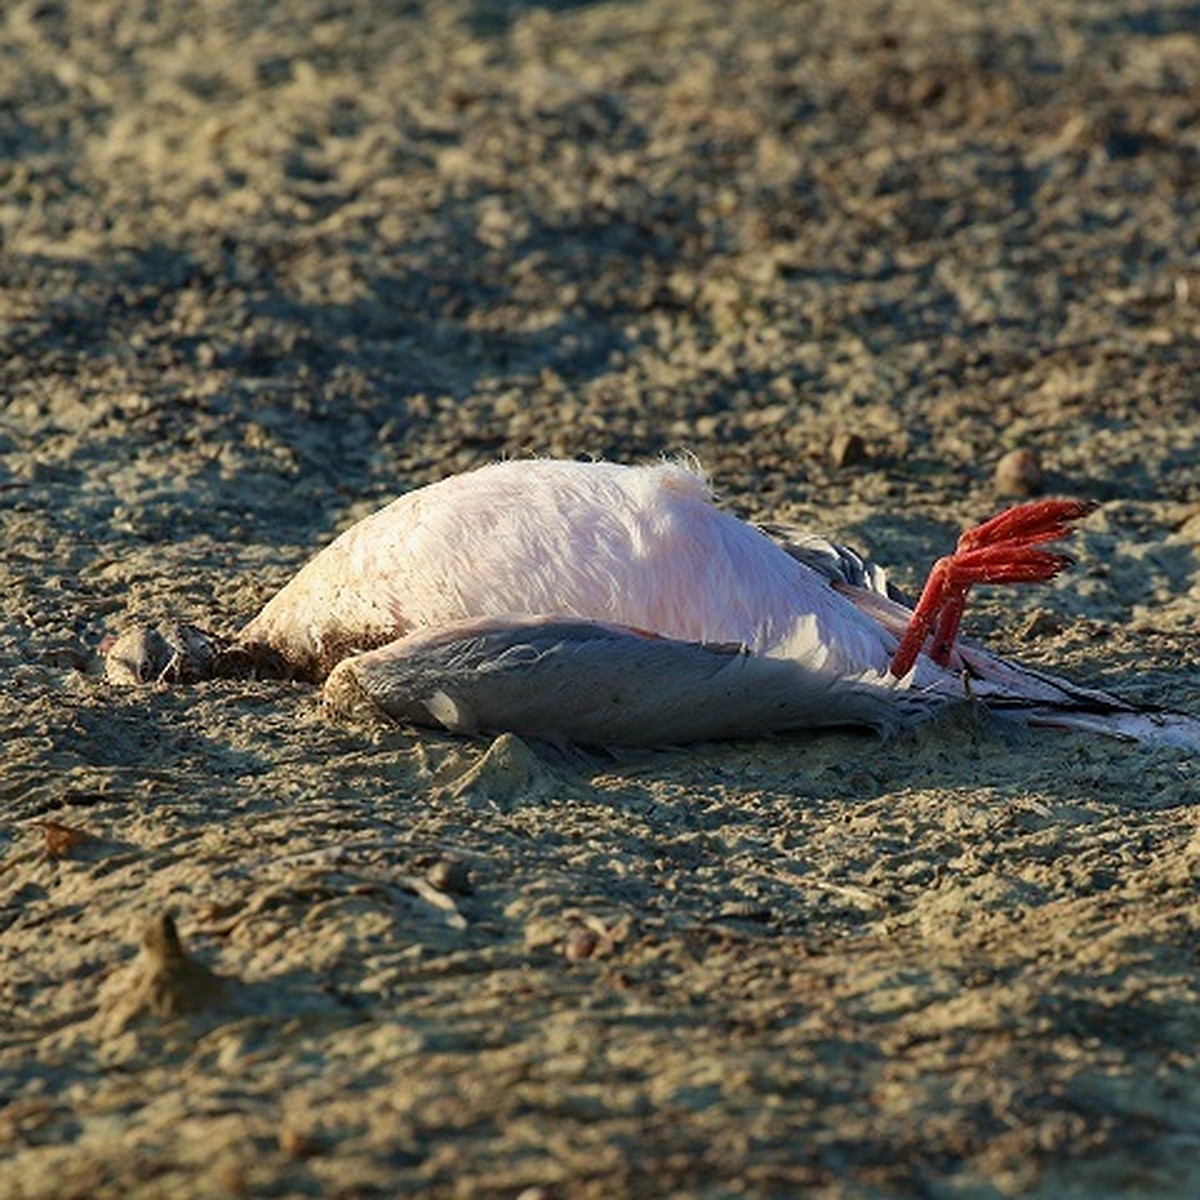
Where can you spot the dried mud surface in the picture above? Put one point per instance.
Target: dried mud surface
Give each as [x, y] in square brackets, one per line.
[265, 266]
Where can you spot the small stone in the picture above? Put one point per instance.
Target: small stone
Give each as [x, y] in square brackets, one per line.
[1019, 473]
[232, 1180]
[580, 946]
[297, 1144]
[450, 875]
[847, 450]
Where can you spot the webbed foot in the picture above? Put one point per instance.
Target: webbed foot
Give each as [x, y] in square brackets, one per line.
[1002, 550]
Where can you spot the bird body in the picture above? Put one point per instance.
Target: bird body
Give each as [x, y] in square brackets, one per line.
[641, 547]
[606, 604]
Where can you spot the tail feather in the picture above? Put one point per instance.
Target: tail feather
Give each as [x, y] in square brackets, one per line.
[1040, 698]
[1150, 727]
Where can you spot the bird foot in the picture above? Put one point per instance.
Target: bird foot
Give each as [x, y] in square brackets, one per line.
[1002, 550]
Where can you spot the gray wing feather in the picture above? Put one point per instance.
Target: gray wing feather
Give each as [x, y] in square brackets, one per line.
[597, 684]
[838, 563]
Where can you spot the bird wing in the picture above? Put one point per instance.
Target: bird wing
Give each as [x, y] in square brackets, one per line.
[598, 683]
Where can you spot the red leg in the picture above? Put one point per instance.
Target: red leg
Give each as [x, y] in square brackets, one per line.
[1001, 550]
[948, 621]
[933, 596]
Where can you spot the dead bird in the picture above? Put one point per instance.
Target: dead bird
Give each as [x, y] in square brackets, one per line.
[618, 605]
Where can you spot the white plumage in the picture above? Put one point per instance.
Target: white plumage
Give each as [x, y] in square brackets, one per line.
[643, 547]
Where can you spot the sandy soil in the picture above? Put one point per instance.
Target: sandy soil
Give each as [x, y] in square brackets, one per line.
[265, 266]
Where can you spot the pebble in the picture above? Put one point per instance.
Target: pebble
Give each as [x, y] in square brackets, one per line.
[1019, 473]
[231, 1180]
[297, 1144]
[450, 875]
[580, 946]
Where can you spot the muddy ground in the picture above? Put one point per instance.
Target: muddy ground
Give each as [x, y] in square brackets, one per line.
[264, 267]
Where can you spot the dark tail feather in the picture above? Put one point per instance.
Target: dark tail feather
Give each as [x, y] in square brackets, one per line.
[1151, 727]
[1039, 698]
